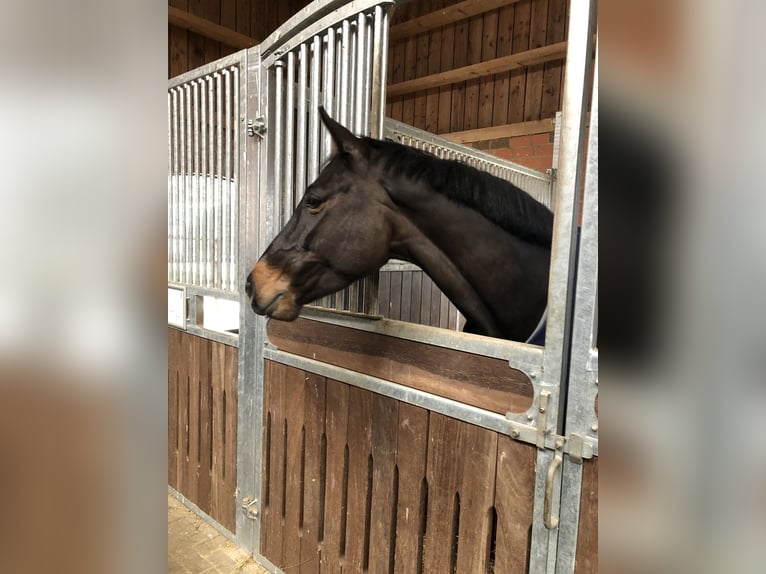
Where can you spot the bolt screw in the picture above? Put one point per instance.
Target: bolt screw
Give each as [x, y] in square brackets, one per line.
[515, 433]
[542, 409]
[594, 428]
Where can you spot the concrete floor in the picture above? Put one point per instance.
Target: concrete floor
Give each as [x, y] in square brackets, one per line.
[195, 547]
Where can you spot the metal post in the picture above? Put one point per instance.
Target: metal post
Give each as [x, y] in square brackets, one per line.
[314, 102]
[226, 185]
[218, 241]
[195, 236]
[235, 186]
[210, 186]
[289, 138]
[204, 255]
[278, 143]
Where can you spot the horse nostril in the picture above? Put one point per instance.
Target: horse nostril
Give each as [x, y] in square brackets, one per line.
[249, 285]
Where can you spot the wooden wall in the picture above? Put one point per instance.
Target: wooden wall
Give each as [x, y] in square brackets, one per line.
[508, 113]
[255, 19]
[202, 423]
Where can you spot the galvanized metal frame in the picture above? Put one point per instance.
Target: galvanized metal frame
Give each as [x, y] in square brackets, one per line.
[556, 364]
[581, 421]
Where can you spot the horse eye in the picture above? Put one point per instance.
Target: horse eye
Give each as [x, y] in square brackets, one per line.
[312, 202]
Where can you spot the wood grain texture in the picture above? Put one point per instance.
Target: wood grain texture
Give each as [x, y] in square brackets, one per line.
[514, 498]
[472, 379]
[586, 557]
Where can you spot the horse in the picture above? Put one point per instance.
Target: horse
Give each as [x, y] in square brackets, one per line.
[483, 241]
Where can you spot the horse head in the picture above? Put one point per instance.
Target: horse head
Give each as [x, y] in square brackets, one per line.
[338, 234]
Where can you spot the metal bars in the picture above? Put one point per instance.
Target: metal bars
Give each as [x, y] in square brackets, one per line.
[328, 65]
[203, 175]
[538, 185]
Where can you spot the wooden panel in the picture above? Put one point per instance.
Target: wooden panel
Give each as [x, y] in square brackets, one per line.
[553, 71]
[514, 498]
[461, 478]
[202, 422]
[208, 29]
[174, 338]
[275, 453]
[471, 112]
[472, 379]
[334, 529]
[385, 485]
[586, 558]
[502, 131]
[412, 498]
[314, 472]
[519, 43]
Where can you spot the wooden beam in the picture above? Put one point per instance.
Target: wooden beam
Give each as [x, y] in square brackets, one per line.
[498, 65]
[448, 15]
[208, 29]
[504, 131]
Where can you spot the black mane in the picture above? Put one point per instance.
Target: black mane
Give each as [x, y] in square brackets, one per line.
[496, 199]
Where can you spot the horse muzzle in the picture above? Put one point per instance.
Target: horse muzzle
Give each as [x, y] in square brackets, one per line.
[269, 292]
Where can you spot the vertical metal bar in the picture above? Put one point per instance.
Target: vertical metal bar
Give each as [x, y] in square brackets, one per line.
[170, 187]
[279, 71]
[300, 135]
[236, 182]
[289, 138]
[560, 286]
[336, 112]
[369, 53]
[316, 80]
[328, 84]
[204, 255]
[175, 274]
[360, 80]
[345, 59]
[227, 185]
[210, 185]
[188, 186]
[219, 181]
[195, 190]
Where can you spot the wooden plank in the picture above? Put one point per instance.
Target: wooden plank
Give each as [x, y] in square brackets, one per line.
[503, 131]
[443, 473]
[519, 44]
[314, 405]
[537, 37]
[294, 393]
[174, 351]
[421, 69]
[398, 51]
[412, 444]
[410, 73]
[586, 556]
[359, 480]
[457, 111]
[228, 502]
[417, 283]
[487, 83]
[553, 74]
[514, 498]
[243, 17]
[515, 61]
[183, 422]
[334, 528]
[445, 17]
[436, 299]
[475, 33]
[274, 495]
[384, 294]
[444, 305]
[476, 453]
[406, 295]
[425, 299]
[218, 376]
[395, 311]
[177, 45]
[212, 12]
[383, 507]
[447, 59]
[471, 379]
[204, 359]
[502, 81]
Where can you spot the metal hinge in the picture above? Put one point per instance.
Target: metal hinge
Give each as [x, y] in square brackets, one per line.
[257, 127]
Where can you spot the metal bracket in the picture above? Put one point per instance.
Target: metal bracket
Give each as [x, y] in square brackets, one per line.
[549, 520]
[542, 418]
[248, 505]
[257, 127]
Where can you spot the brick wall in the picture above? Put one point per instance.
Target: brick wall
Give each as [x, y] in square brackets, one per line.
[534, 151]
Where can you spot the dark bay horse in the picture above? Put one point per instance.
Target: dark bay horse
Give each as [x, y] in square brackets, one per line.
[483, 241]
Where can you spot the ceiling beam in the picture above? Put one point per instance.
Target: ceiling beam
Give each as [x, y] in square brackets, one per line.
[540, 55]
[504, 131]
[183, 19]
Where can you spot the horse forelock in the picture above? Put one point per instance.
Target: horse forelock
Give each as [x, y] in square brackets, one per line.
[495, 199]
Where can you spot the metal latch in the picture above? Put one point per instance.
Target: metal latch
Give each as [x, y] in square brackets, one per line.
[250, 508]
[257, 127]
[549, 520]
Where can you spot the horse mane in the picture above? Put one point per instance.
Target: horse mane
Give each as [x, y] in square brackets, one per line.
[496, 199]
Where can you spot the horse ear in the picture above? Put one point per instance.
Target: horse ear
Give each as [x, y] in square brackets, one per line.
[345, 141]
